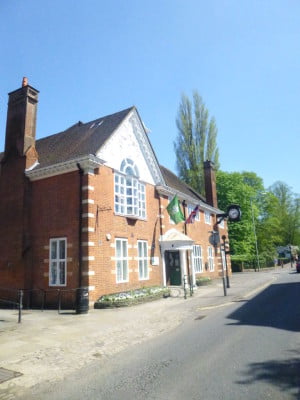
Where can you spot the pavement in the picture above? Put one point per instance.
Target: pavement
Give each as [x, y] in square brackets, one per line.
[47, 346]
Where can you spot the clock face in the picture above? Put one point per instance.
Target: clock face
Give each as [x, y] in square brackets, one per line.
[233, 213]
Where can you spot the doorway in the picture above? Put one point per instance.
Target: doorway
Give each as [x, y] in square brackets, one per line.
[173, 270]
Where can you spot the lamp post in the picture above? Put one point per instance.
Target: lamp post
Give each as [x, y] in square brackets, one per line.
[255, 237]
[291, 255]
[234, 214]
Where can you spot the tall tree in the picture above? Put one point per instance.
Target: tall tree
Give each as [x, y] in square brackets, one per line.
[196, 141]
[288, 212]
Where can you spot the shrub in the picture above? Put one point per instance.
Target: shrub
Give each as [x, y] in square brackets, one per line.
[205, 280]
[132, 297]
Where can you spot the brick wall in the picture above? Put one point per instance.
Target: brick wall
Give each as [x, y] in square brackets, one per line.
[52, 211]
[13, 233]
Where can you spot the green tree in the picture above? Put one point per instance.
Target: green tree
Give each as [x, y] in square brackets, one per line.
[270, 218]
[232, 189]
[288, 212]
[196, 141]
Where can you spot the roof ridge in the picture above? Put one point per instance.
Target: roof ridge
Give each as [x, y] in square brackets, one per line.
[184, 183]
[80, 123]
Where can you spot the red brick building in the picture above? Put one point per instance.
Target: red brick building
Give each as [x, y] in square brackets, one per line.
[87, 207]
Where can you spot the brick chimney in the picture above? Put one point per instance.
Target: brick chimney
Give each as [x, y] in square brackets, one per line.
[210, 183]
[21, 123]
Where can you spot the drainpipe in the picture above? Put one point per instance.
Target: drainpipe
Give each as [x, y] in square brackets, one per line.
[162, 253]
[80, 226]
[82, 293]
[190, 278]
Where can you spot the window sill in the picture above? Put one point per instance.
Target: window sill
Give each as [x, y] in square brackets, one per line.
[135, 217]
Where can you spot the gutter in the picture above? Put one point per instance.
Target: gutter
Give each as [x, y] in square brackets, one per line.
[88, 162]
[168, 191]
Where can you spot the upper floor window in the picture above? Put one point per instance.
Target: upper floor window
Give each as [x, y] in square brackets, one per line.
[191, 208]
[58, 262]
[207, 217]
[130, 193]
[170, 219]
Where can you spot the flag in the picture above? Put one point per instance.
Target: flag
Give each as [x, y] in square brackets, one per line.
[192, 216]
[174, 210]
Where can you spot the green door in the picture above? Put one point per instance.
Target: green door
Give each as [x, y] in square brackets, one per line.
[173, 270]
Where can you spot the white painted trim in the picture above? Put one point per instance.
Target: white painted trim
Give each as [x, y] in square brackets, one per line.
[87, 163]
[88, 244]
[89, 187]
[88, 229]
[88, 201]
[88, 258]
[88, 215]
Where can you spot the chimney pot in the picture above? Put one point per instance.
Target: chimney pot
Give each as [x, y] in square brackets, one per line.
[24, 81]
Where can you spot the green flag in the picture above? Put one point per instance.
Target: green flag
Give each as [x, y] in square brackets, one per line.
[174, 210]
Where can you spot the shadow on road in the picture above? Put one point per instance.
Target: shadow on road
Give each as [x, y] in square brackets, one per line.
[276, 307]
[284, 374]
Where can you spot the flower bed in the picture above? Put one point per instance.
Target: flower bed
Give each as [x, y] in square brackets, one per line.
[203, 281]
[132, 297]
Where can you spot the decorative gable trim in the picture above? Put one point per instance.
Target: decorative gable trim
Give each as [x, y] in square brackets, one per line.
[87, 163]
[142, 138]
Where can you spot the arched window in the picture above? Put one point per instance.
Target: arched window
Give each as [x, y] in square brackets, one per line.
[130, 193]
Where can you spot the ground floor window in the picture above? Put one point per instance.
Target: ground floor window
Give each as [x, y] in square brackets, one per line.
[211, 259]
[197, 259]
[122, 260]
[58, 262]
[143, 259]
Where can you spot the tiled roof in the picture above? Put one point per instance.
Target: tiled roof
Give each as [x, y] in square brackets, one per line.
[175, 183]
[82, 139]
[78, 140]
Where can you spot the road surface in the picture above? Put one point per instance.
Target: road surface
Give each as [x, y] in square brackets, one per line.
[245, 350]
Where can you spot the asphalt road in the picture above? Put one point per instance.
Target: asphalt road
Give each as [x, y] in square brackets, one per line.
[245, 350]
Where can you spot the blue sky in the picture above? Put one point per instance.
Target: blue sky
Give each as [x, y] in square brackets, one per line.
[90, 58]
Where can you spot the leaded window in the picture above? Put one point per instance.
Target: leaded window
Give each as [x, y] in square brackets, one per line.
[143, 259]
[58, 262]
[211, 263]
[197, 259]
[122, 260]
[130, 192]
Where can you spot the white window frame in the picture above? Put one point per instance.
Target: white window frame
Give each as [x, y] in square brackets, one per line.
[207, 217]
[142, 248]
[58, 262]
[121, 257]
[190, 209]
[221, 224]
[129, 191]
[197, 259]
[211, 260]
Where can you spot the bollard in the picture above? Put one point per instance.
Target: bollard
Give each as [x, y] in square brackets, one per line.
[20, 305]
